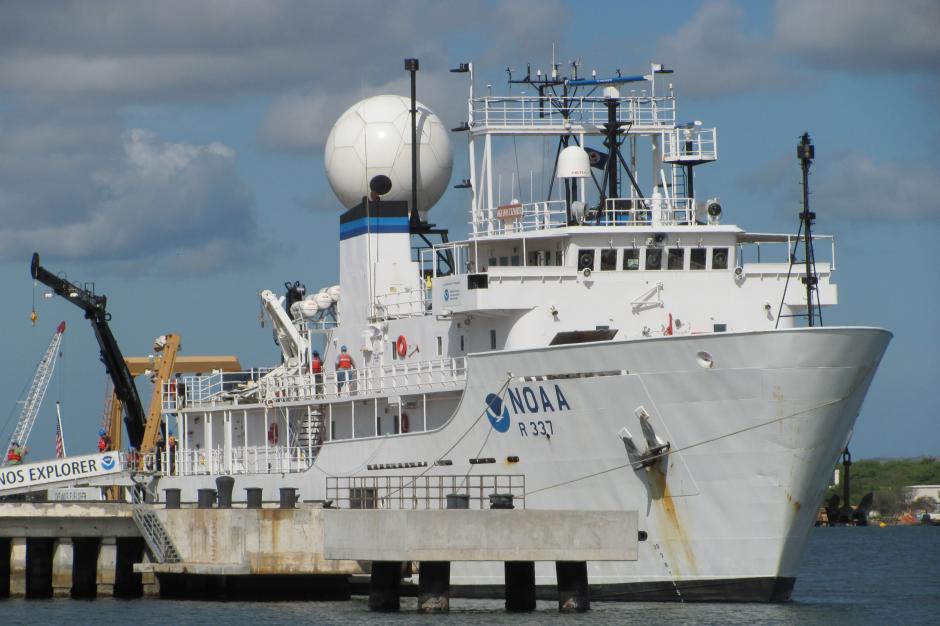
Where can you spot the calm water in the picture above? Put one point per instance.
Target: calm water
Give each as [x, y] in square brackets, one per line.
[849, 576]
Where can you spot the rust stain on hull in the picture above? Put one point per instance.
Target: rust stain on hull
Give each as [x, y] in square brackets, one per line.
[672, 532]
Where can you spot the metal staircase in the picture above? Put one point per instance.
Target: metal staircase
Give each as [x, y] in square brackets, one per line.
[309, 433]
[153, 531]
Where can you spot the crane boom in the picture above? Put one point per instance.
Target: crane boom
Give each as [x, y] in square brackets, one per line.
[95, 311]
[37, 391]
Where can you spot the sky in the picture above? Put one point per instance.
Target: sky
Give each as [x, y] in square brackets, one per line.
[172, 153]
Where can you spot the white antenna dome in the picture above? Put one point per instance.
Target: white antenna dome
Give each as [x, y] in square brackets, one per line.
[374, 137]
[573, 162]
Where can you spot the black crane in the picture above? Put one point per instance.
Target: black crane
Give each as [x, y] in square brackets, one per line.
[95, 311]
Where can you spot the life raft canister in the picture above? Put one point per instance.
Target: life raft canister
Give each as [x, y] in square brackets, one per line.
[272, 432]
[402, 346]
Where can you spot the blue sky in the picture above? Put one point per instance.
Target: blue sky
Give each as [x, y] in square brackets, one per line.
[172, 152]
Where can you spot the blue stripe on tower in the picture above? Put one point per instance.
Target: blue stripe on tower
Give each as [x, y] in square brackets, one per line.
[375, 225]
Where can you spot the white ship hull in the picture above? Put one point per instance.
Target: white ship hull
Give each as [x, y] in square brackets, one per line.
[753, 439]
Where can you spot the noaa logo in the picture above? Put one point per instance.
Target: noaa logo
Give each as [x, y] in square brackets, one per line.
[446, 295]
[107, 462]
[496, 412]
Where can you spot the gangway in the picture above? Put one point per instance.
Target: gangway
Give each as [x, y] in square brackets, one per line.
[37, 392]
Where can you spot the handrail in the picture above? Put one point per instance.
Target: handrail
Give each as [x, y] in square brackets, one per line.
[536, 112]
[428, 491]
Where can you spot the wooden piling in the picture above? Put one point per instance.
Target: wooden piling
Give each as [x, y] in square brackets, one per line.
[384, 586]
[573, 591]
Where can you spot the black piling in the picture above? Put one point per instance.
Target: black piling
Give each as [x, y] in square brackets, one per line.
[288, 497]
[206, 498]
[4, 567]
[172, 498]
[434, 587]
[253, 497]
[520, 585]
[573, 592]
[39, 552]
[85, 567]
[385, 586]
[128, 584]
[225, 485]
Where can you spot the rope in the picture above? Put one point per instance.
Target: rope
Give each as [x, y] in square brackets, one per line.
[693, 445]
[500, 394]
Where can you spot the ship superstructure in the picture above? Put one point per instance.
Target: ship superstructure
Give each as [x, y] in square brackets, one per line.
[610, 344]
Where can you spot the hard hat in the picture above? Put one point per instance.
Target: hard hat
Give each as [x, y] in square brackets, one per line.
[343, 349]
[102, 432]
[171, 432]
[315, 353]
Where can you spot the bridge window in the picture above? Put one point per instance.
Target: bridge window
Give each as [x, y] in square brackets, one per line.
[585, 259]
[719, 258]
[492, 339]
[608, 260]
[697, 259]
[631, 259]
[654, 259]
[676, 259]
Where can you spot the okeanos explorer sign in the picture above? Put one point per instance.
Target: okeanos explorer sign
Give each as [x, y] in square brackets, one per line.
[74, 468]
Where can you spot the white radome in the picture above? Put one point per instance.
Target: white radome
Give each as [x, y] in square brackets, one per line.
[374, 137]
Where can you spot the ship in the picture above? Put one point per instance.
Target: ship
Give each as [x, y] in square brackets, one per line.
[608, 342]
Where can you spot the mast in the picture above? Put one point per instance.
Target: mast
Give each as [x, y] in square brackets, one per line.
[805, 151]
[412, 66]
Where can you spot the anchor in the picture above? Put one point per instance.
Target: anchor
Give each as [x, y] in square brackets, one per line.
[655, 447]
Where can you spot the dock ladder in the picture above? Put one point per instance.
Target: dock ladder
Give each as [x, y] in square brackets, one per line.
[153, 531]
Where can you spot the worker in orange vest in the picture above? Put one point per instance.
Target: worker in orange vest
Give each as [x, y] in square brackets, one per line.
[14, 456]
[316, 367]
[344, 366]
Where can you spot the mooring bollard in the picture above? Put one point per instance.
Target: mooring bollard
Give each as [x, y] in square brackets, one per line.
[288, 497]
[206, 498]
[458, 501]
[173, 498]
[520, 585]
[384, 586]
[253, 497]
[501, 501]
[225, 484]
[573, 591]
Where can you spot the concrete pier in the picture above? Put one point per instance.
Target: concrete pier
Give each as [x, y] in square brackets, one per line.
[107, 561]
[17, 567]
[63, 564]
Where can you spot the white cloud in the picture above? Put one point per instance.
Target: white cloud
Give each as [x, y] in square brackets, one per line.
[131, 197]
[861, 35]
[853, 185]
[715, 56]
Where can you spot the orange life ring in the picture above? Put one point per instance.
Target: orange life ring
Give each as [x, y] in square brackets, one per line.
[401, 346]
[272, 433]
[405, 424]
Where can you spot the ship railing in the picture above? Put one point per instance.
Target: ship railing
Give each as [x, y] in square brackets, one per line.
[560, 114]
[235, 460]
[644, 212]
[392, 379]
[403, 303]
[198, 390]
[690, 145]
[429, 491]
[775, 250]
[458, 252]
[519, 217]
